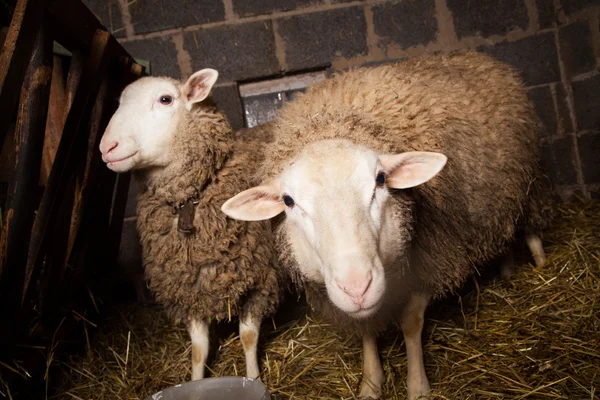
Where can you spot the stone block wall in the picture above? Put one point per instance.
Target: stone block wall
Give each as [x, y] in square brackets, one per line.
[555, 44]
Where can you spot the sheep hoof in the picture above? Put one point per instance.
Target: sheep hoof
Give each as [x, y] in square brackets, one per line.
[369, 392]
[420, 394]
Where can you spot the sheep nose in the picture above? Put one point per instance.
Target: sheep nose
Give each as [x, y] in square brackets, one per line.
[355, 286]
[108, 147]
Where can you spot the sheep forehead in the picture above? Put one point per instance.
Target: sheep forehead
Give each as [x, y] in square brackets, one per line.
[148, 88]
[330, 168]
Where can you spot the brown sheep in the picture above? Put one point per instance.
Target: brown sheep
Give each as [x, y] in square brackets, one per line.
[201, 265]
[397, 183]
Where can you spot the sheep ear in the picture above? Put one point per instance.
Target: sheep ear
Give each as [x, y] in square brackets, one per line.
[198, 86]
[255, 204]
[410, 169]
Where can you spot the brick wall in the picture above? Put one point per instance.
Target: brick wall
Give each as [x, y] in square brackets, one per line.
[555, 44]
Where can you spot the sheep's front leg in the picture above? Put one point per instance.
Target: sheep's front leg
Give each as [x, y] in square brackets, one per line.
[412, 327]
[249, 331]
[537, 249]
[373, 376]
[200, 340]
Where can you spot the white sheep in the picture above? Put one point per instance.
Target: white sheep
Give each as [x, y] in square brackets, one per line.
[201, 265]
[397, 182]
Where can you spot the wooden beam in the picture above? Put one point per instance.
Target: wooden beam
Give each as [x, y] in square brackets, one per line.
[82, 24]
[57, 113]
[71, 146]
[21, 35]
[90, 163]
[61, 98]
[23, 186]
[74, 76]
[52, 292]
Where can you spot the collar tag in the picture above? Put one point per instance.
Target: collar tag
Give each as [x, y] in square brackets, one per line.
[185, 220]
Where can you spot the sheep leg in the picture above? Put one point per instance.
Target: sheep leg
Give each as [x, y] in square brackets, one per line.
[373, 376]
[249, 331]
[412, 327]
[200, 340]
[537, 249]
[508, 264]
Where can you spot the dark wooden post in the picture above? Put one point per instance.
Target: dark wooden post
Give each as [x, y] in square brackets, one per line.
[66, 156]
[21, 201]
[21, 36]
[53, 248]
[61, 98]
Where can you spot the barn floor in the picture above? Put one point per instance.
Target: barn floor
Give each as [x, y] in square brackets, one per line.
[536, 336]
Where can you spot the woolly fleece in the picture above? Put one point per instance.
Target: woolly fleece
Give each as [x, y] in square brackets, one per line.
[467, 106]
[228, 267]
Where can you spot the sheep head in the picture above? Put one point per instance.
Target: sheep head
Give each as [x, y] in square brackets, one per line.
[340, 220]
[150, 110]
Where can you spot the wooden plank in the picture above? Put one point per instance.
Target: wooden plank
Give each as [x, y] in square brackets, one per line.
[73, 80]
[53, 292]
[57, 114]
[21, 35]
[61, 98]
[90, 259]
[31, 121]
[81, 23]
[23, 186]
[70, 147]
[98, 123]
[56, 289]
[74, 76]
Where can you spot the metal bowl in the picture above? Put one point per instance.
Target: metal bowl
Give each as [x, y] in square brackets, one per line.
[221, 388]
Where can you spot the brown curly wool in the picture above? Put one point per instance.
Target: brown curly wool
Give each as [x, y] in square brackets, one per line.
[467, 106]
[227, 267]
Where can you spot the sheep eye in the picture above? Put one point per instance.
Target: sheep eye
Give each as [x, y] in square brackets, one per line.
[380, 179]
[166, 100]
[288, 201]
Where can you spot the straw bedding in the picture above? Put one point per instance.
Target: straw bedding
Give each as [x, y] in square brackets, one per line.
[536, 336]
